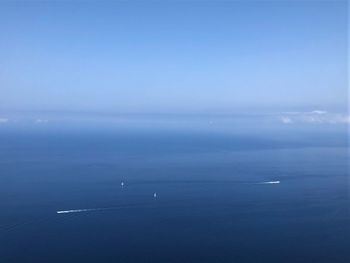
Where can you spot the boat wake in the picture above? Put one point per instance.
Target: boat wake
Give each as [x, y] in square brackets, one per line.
[81, 210]
[270, 182]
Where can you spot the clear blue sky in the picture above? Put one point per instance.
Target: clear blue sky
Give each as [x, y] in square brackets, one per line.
[179, 56]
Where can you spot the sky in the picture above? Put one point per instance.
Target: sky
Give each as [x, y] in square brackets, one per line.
[173, 56]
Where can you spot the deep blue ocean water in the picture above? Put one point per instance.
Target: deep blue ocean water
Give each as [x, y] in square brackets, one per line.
[212, 201]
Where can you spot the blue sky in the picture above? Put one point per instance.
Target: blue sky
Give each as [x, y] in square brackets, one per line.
[173, 56]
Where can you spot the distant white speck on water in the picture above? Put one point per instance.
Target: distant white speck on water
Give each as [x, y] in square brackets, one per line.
[155, 195]
[122, 184]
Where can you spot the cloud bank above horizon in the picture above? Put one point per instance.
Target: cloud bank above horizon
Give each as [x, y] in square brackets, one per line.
[315, 117]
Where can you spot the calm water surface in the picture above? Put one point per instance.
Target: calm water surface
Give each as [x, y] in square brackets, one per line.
[212, 202]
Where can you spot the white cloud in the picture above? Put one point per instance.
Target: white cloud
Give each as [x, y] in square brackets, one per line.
[314, 117]
[318, 112]
[305, 112]
[340, 119]
[41, 121]
[286, 120]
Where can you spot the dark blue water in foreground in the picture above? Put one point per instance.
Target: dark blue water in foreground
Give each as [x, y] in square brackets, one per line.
[210, 204]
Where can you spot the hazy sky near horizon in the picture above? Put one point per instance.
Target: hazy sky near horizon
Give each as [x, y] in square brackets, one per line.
[173, 56]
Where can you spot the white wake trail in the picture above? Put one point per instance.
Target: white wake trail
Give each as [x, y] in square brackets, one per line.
[270, 182]
[92, 209]
[79, 210]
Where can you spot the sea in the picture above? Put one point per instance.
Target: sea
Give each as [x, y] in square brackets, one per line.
[185, 191]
